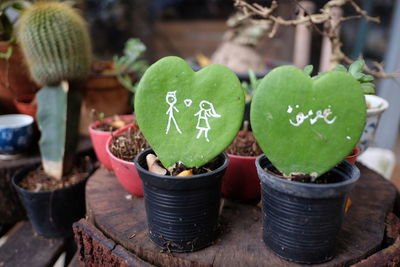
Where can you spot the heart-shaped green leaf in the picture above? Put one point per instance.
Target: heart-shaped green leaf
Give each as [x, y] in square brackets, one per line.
[188, 116]
[307, 126]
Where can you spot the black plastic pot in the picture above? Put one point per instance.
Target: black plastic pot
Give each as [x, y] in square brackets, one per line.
[52, 213]
[301, 220]
[182, 212]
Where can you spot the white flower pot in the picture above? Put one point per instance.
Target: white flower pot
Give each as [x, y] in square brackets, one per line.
[376, 106]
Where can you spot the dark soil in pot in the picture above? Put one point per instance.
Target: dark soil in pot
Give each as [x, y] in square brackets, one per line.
[51, 206]
[182, 212]
[301, 220]
[128, 144]
[244, 144]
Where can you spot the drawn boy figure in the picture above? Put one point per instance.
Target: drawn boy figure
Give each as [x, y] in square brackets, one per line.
[206, 111]
[170, 98]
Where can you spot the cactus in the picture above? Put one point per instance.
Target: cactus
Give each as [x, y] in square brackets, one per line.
[307, 126]
[55, 42]
[56, 46]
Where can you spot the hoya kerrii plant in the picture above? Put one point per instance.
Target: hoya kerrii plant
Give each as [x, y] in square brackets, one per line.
[308, 125]
[188, 116]
[57, 49]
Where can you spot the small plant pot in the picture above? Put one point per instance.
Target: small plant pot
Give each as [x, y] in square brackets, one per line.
[353, 156]
[301, 220]
[376, 106]
[99, 139]
[16, 134]
[125, 171]
[52, 213]
[182, 212]
[240, 181]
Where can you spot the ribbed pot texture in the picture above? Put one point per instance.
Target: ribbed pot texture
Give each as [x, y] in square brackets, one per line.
[182, 212]
[301, 220]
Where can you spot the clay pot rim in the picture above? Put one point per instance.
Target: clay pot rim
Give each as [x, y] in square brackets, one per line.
[248, 158]
[99, 132]
[354, 153]
[108, 142]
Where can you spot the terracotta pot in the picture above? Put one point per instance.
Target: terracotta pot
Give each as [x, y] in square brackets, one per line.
[103, 93]
[14, 78]
[240, 181]
[25, 105]
[125, 171]
[353, 156]
[99, 140]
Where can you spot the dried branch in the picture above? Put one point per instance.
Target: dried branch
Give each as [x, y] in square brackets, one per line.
[257, 12]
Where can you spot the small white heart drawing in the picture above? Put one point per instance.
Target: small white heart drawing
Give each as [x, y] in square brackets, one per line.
[187, 102]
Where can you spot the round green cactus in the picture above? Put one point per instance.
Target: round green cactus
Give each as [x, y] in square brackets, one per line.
[55, 42]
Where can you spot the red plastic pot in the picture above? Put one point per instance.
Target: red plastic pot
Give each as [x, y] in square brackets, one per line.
[353, 156]
[99, 140]
[240, 181]
[125, 171]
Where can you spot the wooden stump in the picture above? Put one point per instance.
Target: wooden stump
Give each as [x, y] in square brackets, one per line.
[122, 218]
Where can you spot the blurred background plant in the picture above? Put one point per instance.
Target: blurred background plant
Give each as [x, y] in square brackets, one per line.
[132, 60]
[9, 11]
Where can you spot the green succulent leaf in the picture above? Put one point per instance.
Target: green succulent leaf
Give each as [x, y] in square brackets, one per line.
[308, 69]
[367, 78]
[188, 116]
[304, 125]
[340, 67]
[369, 88]
[356, 67]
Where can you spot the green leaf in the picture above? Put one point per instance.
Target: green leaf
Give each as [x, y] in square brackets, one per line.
[367, 78]
[304, 125]
[358, 75]
[368, 88]
[188, 116]
[308, 69]
[340, 67]
[7, 54]
[356, 66]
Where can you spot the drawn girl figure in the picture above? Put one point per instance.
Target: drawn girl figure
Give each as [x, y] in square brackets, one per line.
[170, 98]
[206, 111]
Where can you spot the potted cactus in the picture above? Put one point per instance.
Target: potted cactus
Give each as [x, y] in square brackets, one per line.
[306, 128]
[56, 46]
[187, 117]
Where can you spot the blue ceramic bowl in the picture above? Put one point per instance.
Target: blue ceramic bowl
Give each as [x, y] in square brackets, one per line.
[16, 133]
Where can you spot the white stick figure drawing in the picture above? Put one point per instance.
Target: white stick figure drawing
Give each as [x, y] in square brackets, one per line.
[206, 111]
[170, 98]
